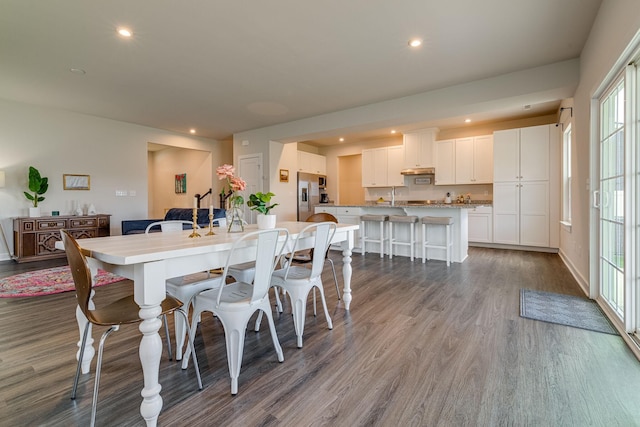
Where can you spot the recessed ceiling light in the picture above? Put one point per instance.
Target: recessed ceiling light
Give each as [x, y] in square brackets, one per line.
[415, 42]
[341, 140]
[124, 32]
[78, 71]
[393, 131]
[192, 130]
[467, 120]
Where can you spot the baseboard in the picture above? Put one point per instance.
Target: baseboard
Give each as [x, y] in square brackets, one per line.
[514, 247]
[582, 282]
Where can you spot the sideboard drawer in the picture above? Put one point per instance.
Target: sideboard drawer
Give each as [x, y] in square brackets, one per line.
[83, 222]
[50, 224]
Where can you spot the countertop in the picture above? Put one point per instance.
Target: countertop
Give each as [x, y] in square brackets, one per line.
[405, 204]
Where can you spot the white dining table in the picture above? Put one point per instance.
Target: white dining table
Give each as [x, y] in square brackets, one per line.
[150, 259]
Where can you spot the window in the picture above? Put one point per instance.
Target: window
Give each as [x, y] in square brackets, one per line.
[566, 176]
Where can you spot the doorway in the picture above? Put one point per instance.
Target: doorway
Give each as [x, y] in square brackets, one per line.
[350, 190]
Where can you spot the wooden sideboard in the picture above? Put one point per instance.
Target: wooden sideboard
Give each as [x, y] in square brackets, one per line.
[34, 239]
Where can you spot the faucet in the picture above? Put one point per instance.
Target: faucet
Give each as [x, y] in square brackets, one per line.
[393, 196]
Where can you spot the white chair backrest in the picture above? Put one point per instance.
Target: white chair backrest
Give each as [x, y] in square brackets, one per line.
[324, 232]
[169, 226]
[269, 247]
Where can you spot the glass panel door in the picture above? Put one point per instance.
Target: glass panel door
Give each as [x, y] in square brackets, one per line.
[612, 219]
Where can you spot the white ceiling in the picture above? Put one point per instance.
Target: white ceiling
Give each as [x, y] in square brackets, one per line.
[223, 67]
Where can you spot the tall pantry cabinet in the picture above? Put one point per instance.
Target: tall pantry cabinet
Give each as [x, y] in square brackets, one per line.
[526, 183]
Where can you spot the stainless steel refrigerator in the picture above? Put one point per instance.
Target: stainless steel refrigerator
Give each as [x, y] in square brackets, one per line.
[310, 185]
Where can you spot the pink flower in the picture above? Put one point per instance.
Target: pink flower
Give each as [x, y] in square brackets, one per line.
[238, 184]
[225, 171]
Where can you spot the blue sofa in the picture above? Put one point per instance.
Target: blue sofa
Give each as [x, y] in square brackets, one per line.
[138, 226]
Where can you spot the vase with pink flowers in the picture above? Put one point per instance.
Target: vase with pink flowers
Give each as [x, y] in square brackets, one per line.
[233, 199]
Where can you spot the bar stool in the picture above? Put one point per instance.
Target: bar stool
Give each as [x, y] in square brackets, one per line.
[402, 219]
[364, 238]
[435, 220]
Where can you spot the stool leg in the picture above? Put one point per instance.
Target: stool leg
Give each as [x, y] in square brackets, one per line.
[412, 239]
[390, 227]
[363, 234]
[381, 239]
[424, 243]
[448, 231]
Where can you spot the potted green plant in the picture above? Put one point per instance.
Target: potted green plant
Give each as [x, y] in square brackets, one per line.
[260, 202]
[38, 185]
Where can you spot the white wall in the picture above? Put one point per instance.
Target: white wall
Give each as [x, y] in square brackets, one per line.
[530, 86]
[56, 142]
[616, 24]
[165, 164]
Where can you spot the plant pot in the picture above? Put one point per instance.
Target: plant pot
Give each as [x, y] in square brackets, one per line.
[34, 212]
[266, 222]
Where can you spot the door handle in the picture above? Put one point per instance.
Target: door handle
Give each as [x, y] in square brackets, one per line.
[596, 199]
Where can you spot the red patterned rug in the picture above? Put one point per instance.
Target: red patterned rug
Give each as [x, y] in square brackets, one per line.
[45, 282]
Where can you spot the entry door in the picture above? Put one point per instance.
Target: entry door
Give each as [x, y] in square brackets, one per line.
[250, 169]
[611, 221]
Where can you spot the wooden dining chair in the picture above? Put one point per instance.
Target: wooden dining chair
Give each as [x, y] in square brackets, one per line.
[120, 312]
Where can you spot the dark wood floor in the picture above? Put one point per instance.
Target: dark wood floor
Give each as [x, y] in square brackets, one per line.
[423, 345]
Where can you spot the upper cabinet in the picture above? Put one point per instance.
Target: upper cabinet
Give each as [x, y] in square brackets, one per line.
[418, 148]
[312, 163]
[474, 160]
[464, 160]
[522, 154]
[381, 167]
[445, 161]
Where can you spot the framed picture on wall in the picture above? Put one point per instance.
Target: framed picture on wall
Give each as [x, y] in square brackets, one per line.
[76, 182]
[181, 183]
[284, 175]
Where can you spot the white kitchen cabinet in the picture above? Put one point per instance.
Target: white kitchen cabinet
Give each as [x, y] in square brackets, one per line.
[445, 157]
[531, 144]
[350, 215]
[524, 191]
[418, 148]
[326, 209]
[312, 163]
[521, 213]
[474, 160]
[381, 167]
[481, 224]
[395, 164]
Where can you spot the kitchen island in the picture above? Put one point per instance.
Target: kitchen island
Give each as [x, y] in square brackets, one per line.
[458, 211]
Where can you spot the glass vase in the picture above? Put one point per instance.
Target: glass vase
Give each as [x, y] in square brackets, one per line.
[235, 224]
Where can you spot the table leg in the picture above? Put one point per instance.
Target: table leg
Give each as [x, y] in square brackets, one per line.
[347, 245]
[150, 353]
[149, 291]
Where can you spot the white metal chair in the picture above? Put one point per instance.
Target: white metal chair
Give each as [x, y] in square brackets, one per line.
[183, 288]
[298, 280]
[120, 312]
[235, 303]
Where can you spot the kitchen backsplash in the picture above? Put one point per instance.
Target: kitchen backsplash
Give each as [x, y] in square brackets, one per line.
[430, 192]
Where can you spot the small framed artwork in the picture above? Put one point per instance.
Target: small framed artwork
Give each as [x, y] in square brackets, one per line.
[284, 175]
[76, 182]
[181, 183]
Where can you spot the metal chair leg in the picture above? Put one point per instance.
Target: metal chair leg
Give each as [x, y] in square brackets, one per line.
[166, 333]
[192, 346]
[94, 403]
[335, 278]
[75, 380]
